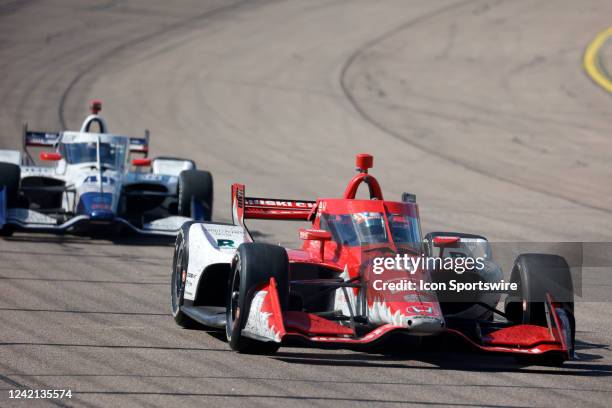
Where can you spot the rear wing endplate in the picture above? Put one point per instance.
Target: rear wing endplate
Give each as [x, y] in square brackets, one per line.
[140, 144]
[268, 208]
[33, 138]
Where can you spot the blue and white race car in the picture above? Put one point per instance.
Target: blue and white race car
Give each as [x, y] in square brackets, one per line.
[100, 181]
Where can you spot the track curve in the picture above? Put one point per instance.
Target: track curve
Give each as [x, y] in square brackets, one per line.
[464, 162]
[251, 91]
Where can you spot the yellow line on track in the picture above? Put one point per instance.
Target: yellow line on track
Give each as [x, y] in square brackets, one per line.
[591, 61]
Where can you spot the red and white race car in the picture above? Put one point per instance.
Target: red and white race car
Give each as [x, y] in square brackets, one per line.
[347, 287]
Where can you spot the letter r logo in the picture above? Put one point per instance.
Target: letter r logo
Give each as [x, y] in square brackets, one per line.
[225, 243]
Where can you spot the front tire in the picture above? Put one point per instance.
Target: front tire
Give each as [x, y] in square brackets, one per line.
[537, 275]
[10, 176]
[6, 231]
[195, 186]
[254, 264]
[179, 275]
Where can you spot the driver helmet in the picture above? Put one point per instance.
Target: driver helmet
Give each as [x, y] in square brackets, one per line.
[370, 224]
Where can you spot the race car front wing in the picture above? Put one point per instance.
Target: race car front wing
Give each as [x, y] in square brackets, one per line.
[30, 220]
[267, 322]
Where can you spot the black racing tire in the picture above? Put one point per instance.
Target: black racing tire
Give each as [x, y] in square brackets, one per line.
[10, 175]
[196, 184]
[7, 231]
[254, 264]
[179, 270]
[537, 275]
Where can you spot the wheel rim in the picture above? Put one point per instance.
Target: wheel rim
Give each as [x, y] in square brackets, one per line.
[180, 198]
[179, 275]
[234, 297]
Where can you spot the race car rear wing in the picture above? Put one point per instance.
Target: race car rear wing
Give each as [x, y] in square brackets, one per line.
[140, 144]
[40, 139]
[33, 138]
[244, 207]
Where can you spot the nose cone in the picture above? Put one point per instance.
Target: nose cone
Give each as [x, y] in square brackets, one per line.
[102, 215]
[98, 206]
[425, 325]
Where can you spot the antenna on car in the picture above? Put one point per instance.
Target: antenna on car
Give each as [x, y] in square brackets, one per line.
[364, 161]
[95, 106]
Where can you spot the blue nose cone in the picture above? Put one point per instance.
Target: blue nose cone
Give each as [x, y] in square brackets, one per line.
[97, 206]
[101, 215]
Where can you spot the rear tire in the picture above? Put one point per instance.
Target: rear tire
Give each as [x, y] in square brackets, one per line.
[179, 272]
[196, 185]
[253, 265]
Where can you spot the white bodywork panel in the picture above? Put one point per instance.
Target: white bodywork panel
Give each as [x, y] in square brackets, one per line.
[10, 156]
[87, 137]
[210, 244]
[26, 216]
[172, 223]
[94, 118]
[171, 167]
[29, 171]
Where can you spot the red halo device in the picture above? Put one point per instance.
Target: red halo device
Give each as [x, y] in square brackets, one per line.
[95, 106]
[364, 161]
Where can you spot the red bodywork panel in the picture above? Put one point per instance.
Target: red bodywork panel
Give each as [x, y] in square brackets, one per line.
[311, 324]
[523, 335]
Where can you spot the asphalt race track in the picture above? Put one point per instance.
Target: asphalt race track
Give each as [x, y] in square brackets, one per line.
[479, 107]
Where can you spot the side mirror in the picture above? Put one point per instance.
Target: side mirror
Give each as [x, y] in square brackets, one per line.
[441, 240]
[141, 162]
[50, 156]
[314, 234]
[436, 243]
